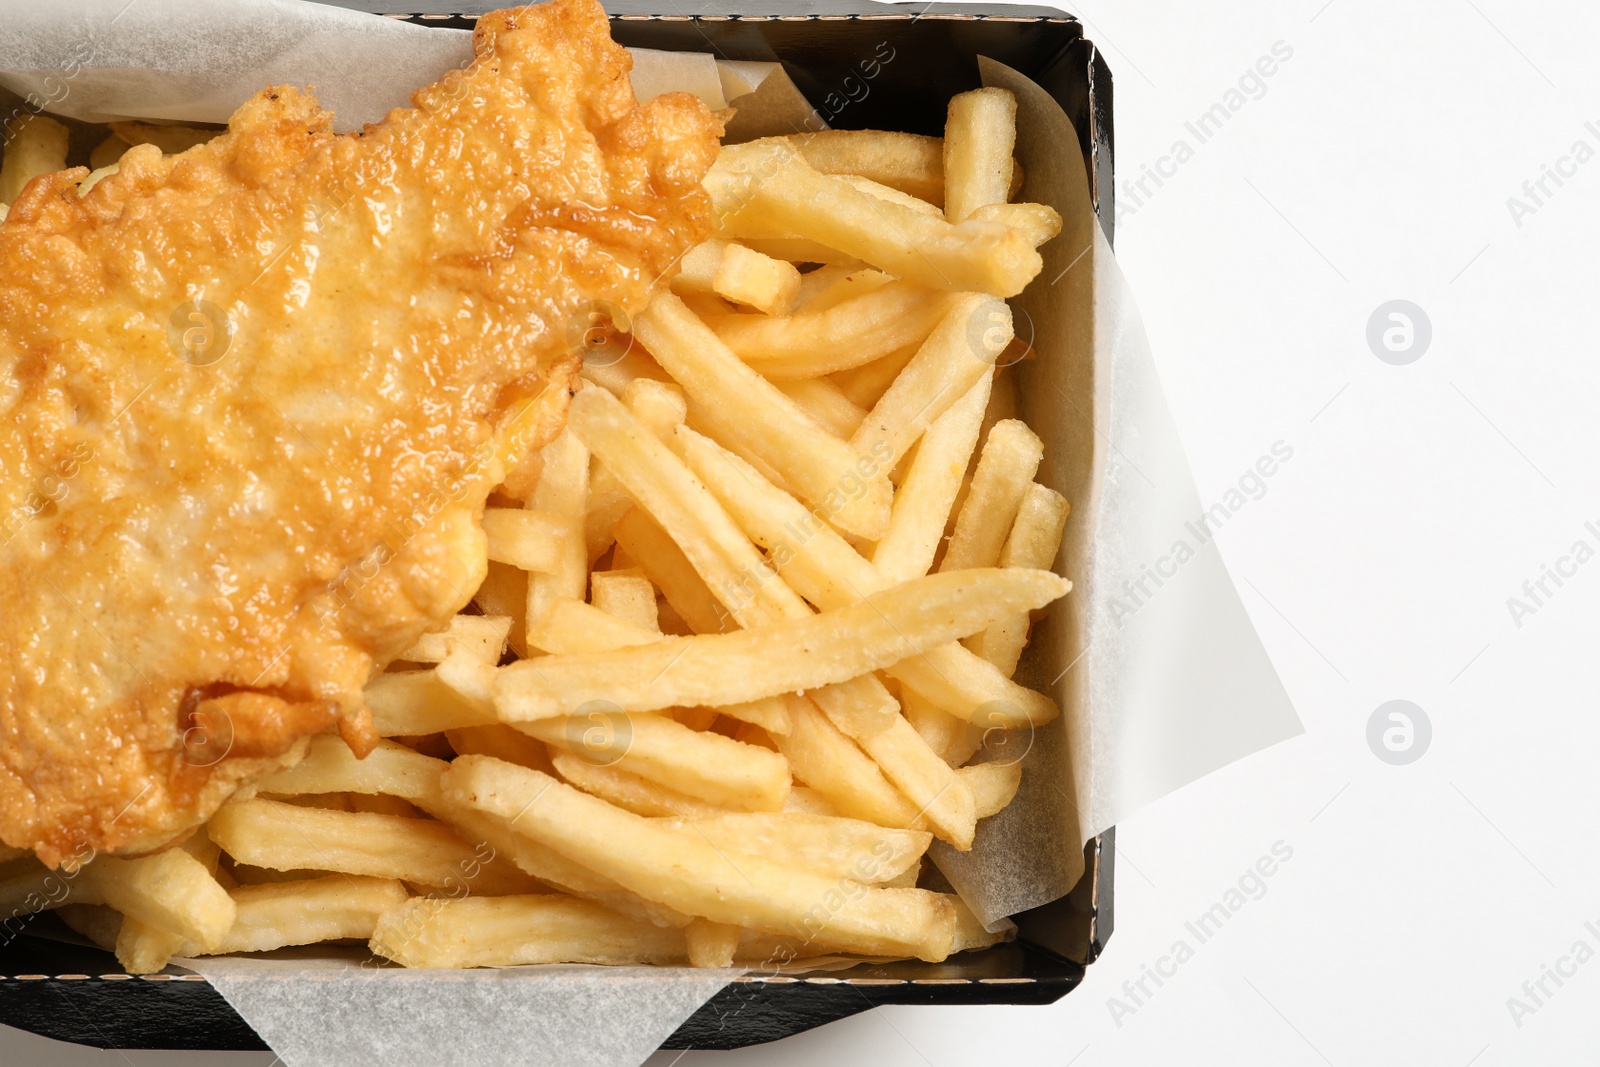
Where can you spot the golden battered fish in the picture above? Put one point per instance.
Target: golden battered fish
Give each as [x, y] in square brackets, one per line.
[253, 397]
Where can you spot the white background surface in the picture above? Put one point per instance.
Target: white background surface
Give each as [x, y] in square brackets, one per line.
[1419, 898]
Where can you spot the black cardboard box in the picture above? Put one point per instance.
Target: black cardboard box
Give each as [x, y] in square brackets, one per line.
[833, 50]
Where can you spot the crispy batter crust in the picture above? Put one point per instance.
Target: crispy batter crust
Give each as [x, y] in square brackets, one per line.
[253, 397]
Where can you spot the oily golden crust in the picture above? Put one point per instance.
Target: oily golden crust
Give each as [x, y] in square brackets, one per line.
[219, 520]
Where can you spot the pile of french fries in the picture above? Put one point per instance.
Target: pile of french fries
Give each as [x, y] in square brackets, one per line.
[744, 623]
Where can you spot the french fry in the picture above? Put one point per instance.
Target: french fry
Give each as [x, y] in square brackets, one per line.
[906, 879]
[711, 670]
[513, 439]
[170, 139]
[142, 948]
[772, 952]
[803, 800]
[825, 759]
[755, 280]
[713, 768]
[659, 406]
[608, 501]
[801, 250]
[703, 304]
[629, 597]
[970, 933]
[727, 428]
[504, 592]
[853, 284]
[826, 286]
[407, 703]
[329, 908]
[615, 374]
[481, 636]
[953, 738]
[171, 891]
[697, 269]
[961, 349]
[1037, 223]
[502, 742]
[866, 384]
[826, 403]
[850, 490]
[834, 338]
[768, 713]
[512, 930]
[720, 553]
[34, 145]
[711, 944]
[1005, 470]
[205, 850]
[891, 194]
[98, 923]
[562, 493]
[858, 706]
[330, 767]
[945, 800]
[909, 162]
[1035, 536]
[952, 678]
[979, 135]
[1033, 542]
[828, 571]
[928, 491]
[826, 845]
[571, 627]
[550, 867]
[822, 279]
[685, 872]
[528, 540]
[96, 177]
[993, 785]
[269, 833]
[671, 572]
[861, 707]
[812, 558]
[638, 795]
[28, 886]
[107, 152]
[763, 189]
[470, 677]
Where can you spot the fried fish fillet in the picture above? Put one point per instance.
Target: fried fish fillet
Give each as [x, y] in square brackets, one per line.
[253, 397]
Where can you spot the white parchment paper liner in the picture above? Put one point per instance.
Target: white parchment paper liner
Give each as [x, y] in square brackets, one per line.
[336, 1011]
[1152, 700]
